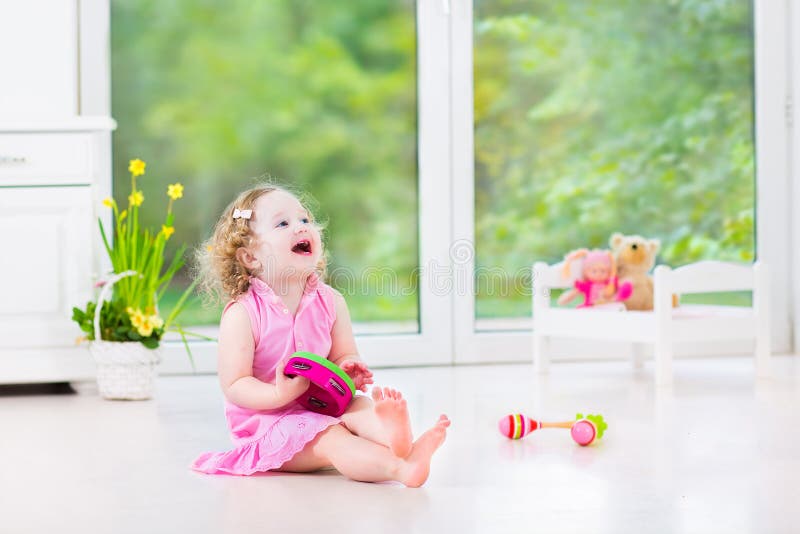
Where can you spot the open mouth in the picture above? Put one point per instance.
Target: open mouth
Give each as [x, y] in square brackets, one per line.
[302, 247]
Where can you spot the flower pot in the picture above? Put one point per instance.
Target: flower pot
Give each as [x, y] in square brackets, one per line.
[125, 370]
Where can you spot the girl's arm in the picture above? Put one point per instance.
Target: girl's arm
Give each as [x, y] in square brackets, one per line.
[235, 367]
[344, 352]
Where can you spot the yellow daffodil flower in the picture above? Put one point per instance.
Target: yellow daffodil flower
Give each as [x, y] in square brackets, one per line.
[136, 198]
[108, 202]
[136, 167]
[137, 318]
[144, 324]
[150, 323]
[146, 328]
[175, 191]
[167, 231]
[156, 321]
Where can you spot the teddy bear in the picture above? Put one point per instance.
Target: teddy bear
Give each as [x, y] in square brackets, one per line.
[635, 256]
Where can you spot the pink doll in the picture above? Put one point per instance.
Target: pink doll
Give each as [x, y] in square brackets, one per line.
[598, 279]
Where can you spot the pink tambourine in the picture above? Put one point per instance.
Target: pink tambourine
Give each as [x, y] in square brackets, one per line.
[331, 389]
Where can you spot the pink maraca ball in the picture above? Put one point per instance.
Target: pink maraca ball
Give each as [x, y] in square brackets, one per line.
[517, 425]
[583, 432]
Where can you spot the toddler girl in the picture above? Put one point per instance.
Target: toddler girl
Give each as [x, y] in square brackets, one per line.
[266, 256]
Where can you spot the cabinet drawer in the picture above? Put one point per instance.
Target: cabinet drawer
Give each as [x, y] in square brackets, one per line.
[45, 159]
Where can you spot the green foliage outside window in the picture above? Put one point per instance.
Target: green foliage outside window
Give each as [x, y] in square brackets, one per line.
[594, 117]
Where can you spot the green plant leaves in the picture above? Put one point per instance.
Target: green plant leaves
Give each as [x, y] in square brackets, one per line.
[115, 324]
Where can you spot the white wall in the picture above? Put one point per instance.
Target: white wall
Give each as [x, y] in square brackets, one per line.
[38, 59]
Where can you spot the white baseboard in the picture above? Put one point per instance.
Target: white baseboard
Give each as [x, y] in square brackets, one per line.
[26, 366]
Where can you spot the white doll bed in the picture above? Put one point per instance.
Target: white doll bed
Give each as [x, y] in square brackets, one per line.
[665, 325]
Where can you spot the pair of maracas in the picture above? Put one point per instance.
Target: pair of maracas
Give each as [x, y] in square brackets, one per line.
[584, 430]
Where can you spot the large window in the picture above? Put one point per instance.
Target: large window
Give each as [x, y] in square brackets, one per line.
[307, 93]
[441, 136]
[632, 116]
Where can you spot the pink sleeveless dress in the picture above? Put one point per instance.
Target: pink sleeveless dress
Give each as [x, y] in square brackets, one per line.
[266, 439]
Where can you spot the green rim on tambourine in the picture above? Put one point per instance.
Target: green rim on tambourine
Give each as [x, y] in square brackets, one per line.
[330, 366]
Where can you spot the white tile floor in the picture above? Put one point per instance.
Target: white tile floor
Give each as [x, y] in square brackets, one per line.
[719, 452]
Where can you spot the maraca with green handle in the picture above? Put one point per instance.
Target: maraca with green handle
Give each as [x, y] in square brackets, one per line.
[584, 430]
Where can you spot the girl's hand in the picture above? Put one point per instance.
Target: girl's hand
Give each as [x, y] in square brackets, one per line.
[359, 372]
[289, 388]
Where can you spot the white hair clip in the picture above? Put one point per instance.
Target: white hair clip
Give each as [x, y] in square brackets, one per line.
[242, 214]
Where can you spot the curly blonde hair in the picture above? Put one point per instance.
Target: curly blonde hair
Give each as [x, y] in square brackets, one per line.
[222, 276]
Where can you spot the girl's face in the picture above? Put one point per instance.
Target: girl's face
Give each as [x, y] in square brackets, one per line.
[287, 243]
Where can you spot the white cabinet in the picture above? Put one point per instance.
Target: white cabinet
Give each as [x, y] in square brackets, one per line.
[55, 169]
[53, 177]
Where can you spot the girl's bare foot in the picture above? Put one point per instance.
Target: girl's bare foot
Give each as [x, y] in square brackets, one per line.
[414, 471]
[391, 409]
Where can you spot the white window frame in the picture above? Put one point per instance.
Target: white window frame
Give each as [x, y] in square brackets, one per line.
[433, 344]
[774, 218]
[772, 189]
[791, 65]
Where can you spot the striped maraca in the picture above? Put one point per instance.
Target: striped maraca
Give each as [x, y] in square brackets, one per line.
[583, 430]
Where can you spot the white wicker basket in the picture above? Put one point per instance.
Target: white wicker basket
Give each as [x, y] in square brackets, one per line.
[126, 370]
